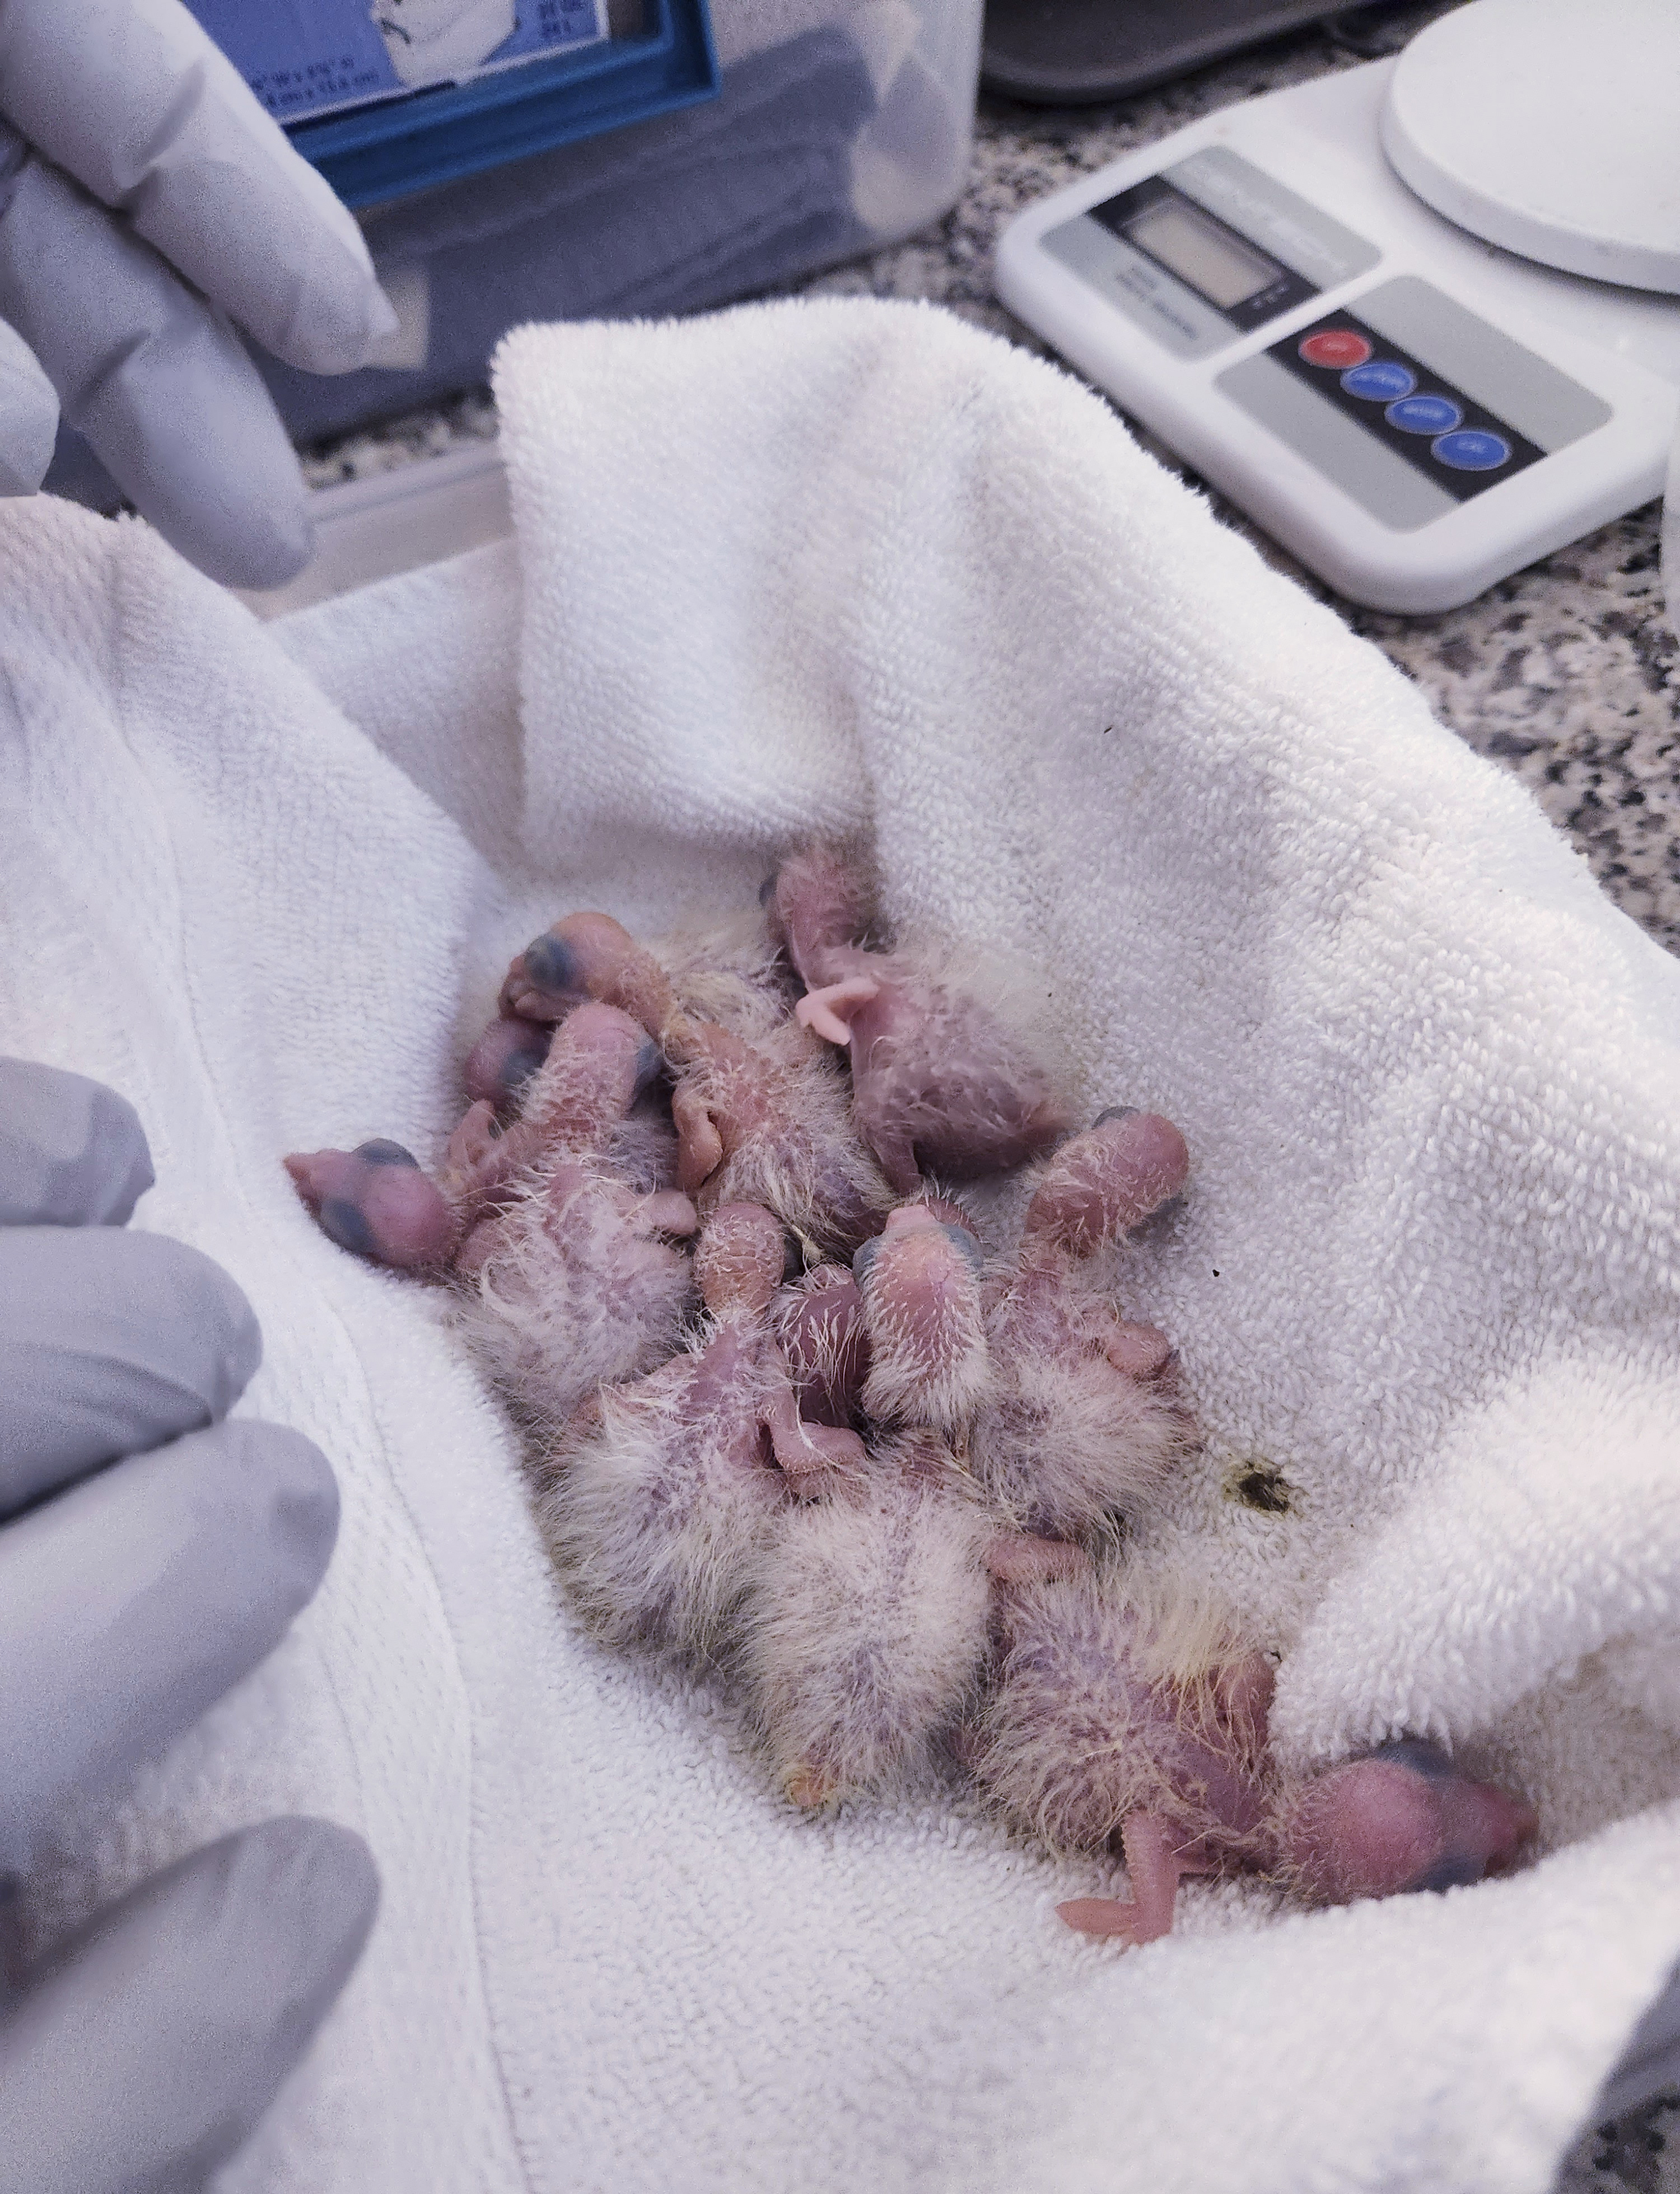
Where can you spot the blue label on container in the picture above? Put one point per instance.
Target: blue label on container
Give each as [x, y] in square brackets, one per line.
[305, 57]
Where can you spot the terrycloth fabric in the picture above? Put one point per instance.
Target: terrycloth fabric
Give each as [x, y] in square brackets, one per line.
[852, 566]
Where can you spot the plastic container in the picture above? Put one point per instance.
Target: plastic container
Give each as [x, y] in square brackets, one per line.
[842, 125]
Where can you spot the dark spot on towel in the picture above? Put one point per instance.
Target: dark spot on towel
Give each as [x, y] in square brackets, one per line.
[1260, 1486]
[343, 1222]
[382, 1152]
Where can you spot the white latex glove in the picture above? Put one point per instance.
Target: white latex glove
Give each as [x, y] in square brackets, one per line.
[153, 1549]
[146, 200]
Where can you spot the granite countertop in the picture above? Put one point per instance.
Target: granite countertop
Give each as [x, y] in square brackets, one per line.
[1567, 675]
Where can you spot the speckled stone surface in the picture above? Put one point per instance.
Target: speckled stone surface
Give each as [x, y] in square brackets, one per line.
[1567, 675]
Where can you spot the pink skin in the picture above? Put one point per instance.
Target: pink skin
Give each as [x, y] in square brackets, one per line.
[1397, 1821]
[1105, 1182]
[1083, 1421]
[739, 1269]
[644, 1221]
[1084, 1741]
[502, 1061]
[922, 1309]
[376, 1201]
[1401, 1818]
[937, 1079]
[662, 1490]
[752, 1123]
[820, 1325]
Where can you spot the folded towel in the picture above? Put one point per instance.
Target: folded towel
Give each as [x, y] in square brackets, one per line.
[853, 566]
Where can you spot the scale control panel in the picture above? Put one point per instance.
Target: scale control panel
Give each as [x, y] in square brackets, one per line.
[1412, 404]
[1319, 366]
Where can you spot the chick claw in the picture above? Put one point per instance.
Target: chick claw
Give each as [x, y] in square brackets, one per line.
[1154, 1869]
[829, 1011]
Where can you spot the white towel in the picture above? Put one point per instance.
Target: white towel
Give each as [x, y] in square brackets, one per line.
[806, 568]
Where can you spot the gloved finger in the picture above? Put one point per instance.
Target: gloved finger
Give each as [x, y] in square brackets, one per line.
[146, 2053]
[109, 1343]
[72, 1153]
[130, 1604]
[156, 380]
[1651, 2064]
[28, 417]
[134, 100]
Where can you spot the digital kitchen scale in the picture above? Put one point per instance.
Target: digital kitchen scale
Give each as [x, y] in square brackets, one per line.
[1414, 411]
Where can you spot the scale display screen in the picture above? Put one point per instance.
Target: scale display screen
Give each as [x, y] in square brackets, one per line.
[1193, 271]
[1181, 237]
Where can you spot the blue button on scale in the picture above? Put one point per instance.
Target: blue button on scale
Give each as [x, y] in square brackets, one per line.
[1380, 381]
[1471, 451]
[1427, 413]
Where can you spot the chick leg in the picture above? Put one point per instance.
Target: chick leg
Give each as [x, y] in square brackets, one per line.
[1154, 1868]
[829, 1011]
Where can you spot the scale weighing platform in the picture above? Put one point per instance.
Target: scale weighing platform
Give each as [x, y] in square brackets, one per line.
[1413, 412]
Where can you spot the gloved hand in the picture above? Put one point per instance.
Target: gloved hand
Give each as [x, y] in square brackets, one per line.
[150, 1553]
[145, 196]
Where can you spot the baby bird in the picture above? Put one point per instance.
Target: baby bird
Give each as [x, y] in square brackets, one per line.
[865, 1637]
[1080, 1420]
[660, 1494]
[1122, 1711]
[762, 1120]
[820, 1325]
[923, 1321]
[948, 1072]
[566, 1265]
[503, 1059]
[729, 971]
[376, 1202]
[818, 1322]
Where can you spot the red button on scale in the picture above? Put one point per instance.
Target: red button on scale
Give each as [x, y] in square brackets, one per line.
[1340, 348]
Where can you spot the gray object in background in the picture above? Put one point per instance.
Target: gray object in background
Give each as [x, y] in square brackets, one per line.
[1078, 53]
